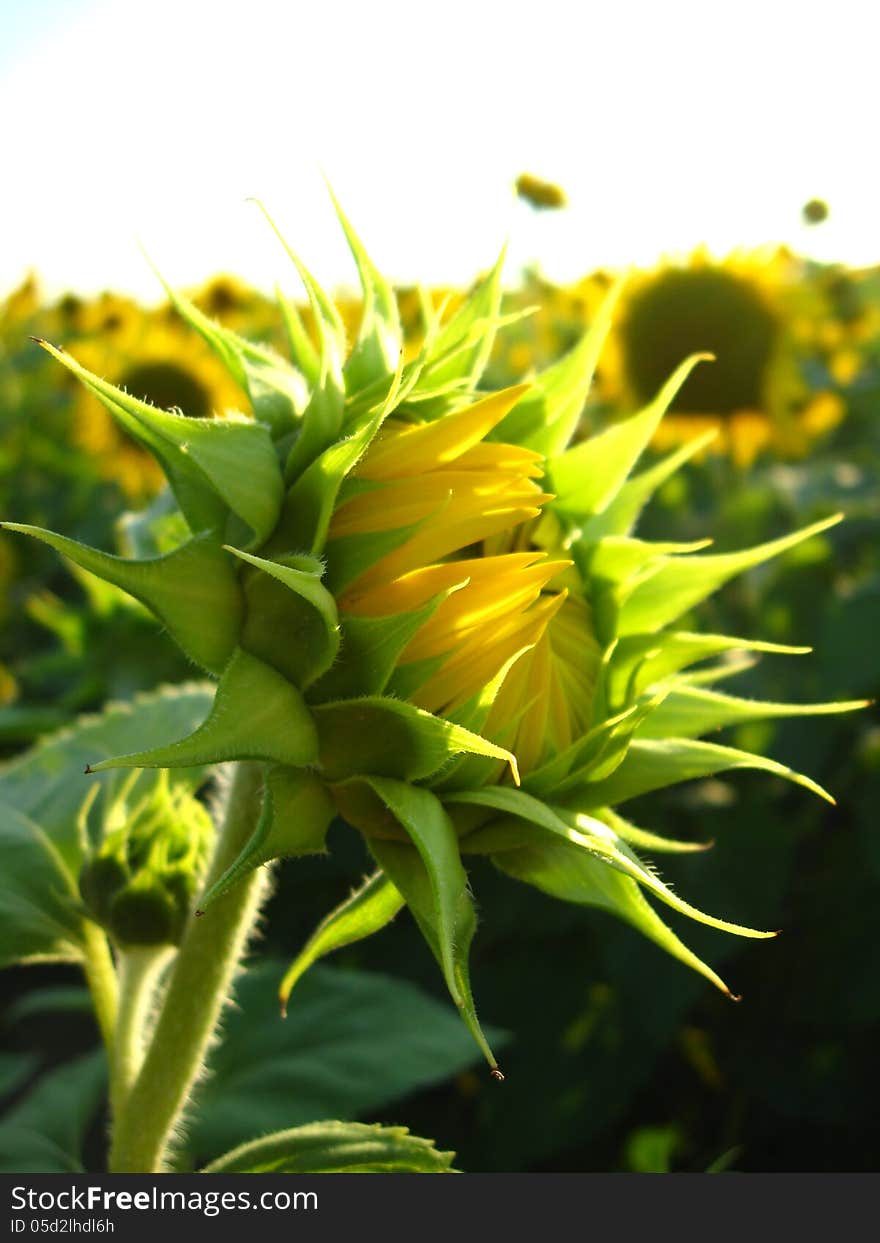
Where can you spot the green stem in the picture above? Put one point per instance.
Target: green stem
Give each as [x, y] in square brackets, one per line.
[101, 979]
[198, 988]
[139, 972]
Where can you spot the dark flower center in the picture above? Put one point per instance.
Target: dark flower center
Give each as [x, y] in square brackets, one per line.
[166, 385]
[687, 311]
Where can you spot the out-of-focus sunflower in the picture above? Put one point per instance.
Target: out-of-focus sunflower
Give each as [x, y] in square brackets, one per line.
[20, 305]
[540, 194]
[236, 305]
[754, 312]
[152, 358]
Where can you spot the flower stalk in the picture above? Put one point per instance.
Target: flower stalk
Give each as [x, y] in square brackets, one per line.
[198, 987]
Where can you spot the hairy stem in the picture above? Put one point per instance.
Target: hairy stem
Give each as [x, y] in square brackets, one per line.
[101, 979]
[139, 972]
[198, 987]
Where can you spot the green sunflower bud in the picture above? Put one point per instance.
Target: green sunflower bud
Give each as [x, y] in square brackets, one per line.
[140, 882]
[101, 881]
[150, 910]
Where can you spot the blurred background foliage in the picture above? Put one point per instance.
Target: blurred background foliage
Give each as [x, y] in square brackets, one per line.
[616, 1057]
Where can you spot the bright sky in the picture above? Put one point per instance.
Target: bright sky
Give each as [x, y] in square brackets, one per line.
[668, 124]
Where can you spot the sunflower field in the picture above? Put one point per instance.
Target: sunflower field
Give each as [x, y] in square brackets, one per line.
[412, 643]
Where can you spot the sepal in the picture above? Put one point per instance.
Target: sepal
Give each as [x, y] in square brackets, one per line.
[257, 715]
[433, 883]
[366, 911]
[294, 818]
[278, 393]
[381, 737]
[192, 591]
[214, 466]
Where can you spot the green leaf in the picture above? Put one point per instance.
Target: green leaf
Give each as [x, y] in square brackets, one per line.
[546, 418]
[443, 907]
[460, 350]
[565, 871]
[302, 575]
[303, 352]
[38, 896]
[365, 911]
[587, 478]
[641, 660]
[580, 830]
[620, 515]
[653, 765]
[213, 465]
[433, 835]
[353, 1043]
[338, 1148]
[15, 1070]
[57, 999]
[192, 591]
[309, 504]
[377, 349]
[371, 647]
[681, 582]
[322, 416]
[256, 715]
[404, 865]
[690, 712]
[294, 819]
[44, 1133]
[277, 392]
[643, 839]
[593, 756]
[387, 738]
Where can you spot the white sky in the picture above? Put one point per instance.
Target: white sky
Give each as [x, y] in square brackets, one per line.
[668, 124]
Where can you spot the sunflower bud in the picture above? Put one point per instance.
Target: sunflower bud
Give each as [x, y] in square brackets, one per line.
[426, 611]
[140, 882]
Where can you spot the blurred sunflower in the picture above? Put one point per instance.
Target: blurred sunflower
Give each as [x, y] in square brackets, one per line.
[236, 305]
[540, 194]
[753, 311]
[20, 305]
[152, 358]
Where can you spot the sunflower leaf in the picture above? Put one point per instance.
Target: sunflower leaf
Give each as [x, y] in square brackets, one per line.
[338, 1148]
[459, 353]
[639, 661]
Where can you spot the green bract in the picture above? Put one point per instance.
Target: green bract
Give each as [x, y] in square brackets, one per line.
[406, 630]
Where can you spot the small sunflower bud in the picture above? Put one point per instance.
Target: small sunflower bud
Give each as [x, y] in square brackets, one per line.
[140, 883]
